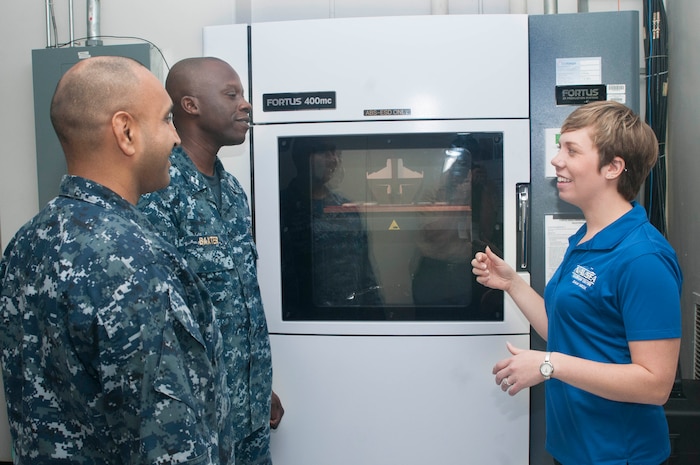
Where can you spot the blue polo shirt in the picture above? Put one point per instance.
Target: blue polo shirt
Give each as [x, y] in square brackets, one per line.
[622, 285]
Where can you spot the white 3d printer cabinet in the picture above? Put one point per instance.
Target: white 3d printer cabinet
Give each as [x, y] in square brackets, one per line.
[372, 137]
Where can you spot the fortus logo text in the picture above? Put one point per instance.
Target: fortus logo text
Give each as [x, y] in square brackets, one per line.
[299, 101]
[581, 93]
[282, 102]
[578, 95]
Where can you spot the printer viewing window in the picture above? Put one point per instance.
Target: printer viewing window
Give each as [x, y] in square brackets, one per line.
[383, 227]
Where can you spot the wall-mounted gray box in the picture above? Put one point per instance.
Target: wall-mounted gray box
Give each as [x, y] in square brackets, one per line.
[48, 66]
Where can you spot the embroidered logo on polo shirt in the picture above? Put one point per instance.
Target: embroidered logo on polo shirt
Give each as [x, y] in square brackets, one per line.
[583, 277]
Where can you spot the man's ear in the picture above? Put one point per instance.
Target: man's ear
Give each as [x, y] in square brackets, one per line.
[125, 131]
[615, 168]
[190, 104]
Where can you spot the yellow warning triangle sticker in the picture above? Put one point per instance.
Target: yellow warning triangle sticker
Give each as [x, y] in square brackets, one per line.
[394, 226]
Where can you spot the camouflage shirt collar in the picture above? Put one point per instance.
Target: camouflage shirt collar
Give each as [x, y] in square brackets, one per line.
[182, 161]
[83, 189]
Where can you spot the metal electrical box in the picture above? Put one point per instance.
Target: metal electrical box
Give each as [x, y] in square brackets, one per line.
[48, 66]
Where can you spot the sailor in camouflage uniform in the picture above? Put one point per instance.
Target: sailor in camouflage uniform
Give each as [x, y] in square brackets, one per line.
[205, 213]
[109, 347]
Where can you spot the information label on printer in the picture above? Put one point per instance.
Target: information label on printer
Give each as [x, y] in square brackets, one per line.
[299, 101]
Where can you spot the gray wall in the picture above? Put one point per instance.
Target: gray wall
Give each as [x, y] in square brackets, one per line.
[684, 161]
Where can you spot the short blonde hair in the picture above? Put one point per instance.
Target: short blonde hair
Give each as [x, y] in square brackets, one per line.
[617, 131]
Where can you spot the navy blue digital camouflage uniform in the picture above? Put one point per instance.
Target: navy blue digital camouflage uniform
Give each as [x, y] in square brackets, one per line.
[110, 351]
[219, 246]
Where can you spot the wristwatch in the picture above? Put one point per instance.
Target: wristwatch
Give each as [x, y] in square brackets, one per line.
[547, 368]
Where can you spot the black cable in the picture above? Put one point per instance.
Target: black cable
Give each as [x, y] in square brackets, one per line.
[656, 54]
[160, 52]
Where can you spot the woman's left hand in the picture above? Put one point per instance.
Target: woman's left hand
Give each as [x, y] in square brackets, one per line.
[520, 371]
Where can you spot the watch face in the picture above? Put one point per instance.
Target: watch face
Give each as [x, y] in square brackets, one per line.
[546, 369]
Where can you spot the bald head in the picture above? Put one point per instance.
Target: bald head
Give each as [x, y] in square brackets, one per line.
[210, 110]
[188, 74]
[112, 116]
[190, 77]
[88, 95]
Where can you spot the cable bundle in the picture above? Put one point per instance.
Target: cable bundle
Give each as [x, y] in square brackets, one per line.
[656, 54]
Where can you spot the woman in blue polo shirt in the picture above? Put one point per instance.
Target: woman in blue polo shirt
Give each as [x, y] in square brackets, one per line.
[611, 312]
